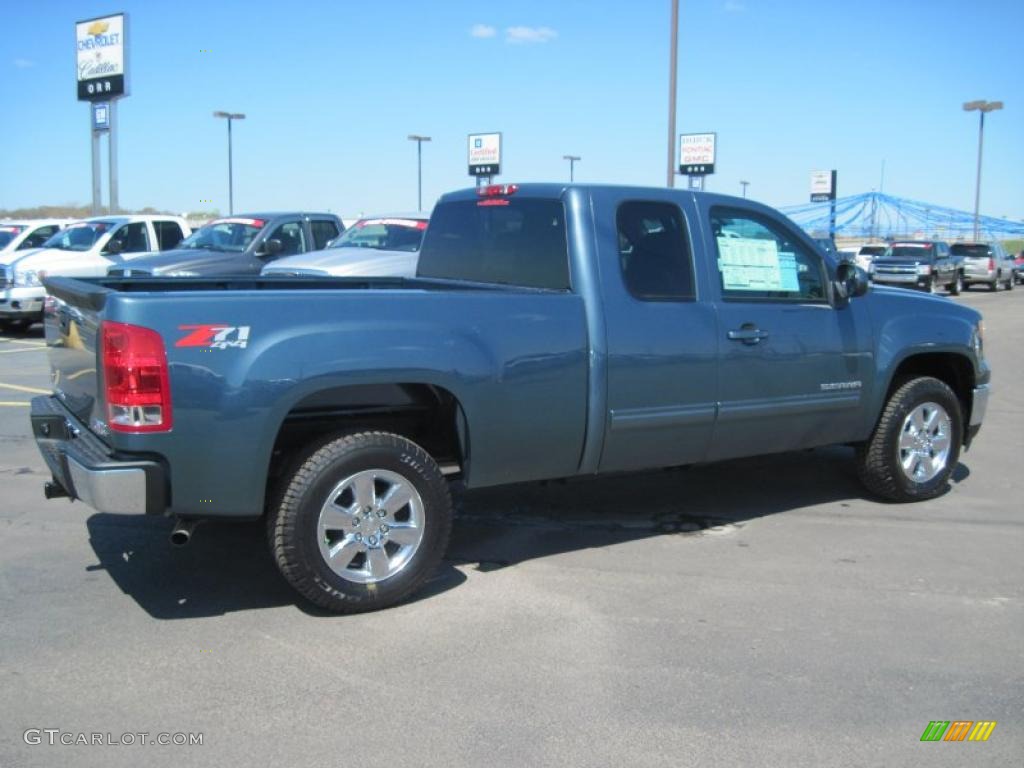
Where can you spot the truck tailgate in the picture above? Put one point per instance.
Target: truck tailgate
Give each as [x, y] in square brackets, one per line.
[72, 323]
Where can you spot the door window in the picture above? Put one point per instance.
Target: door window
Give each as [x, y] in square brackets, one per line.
[293, 239]
[168, 234]
[760, 260]
[40, 236]
[654, 251]
[324, 230]
[133, 237]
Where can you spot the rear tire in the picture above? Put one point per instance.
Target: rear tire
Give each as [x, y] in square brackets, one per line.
[994, 285]
[915, 445]
[334, 533]
[957, 285]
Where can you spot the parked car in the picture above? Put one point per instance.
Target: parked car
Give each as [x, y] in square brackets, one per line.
[23, 234]
[552, 331]
[82, 249]
[380, 246]
[867, 253]
[987, 263]
[1018, 268]
[923, 264]
[237, 245]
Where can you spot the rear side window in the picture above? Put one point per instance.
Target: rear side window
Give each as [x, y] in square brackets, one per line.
[505, 240]
[654, 251]
[168, 234]
[324, 230]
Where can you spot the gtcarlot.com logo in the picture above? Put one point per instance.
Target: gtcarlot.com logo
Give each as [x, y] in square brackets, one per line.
[958, 730]
[55, 736]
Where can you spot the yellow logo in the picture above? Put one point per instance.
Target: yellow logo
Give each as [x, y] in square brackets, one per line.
[97, 28]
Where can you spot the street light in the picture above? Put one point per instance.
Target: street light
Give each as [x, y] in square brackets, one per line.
[573, 159]
[419, 168]
[982, 107]
[229, 116]
[672, 67]
[744, 184]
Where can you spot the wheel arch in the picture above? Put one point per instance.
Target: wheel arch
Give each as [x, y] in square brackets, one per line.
[952, 368]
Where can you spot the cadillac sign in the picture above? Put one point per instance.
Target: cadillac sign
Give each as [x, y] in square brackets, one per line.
[100, 56]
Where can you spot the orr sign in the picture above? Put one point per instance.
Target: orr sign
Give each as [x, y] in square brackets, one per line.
[100, 58]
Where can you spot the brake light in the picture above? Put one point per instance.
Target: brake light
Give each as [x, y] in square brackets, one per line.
[497, 190]
[137, 386]
[991, 264]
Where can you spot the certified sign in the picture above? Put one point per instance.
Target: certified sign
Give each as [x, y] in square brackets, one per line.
[484, 154]
[697, 154]
[100, 57]
[823, 186]
[100, 116]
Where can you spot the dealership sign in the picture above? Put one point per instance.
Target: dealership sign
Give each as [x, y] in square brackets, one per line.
[823, 186]
[484, 154]
[100, 57]
[697, 154]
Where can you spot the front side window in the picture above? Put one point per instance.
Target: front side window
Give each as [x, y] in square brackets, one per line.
[758, 259]
[654, 251]
[293, 239]
[133, 238]
[503, 240]
[40, 236]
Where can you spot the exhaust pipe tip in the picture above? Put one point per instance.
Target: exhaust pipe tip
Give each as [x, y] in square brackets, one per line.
[181, 534]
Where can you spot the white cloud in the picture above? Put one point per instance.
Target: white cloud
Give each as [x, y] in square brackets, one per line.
[521, 35]
[733, 6]
[482, 30]
[23, 63]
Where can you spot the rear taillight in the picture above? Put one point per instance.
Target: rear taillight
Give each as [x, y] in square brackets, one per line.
[991, 264]
[137, 387]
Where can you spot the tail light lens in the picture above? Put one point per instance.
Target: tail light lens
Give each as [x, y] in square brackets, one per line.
[137, 387]
[991, 264]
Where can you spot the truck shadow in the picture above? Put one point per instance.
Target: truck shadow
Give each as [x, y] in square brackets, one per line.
[227, 566]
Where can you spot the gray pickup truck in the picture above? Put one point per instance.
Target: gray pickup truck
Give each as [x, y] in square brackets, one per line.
[551, 331]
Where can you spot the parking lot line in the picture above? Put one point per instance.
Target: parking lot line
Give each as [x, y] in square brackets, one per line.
[13, 351]
[15, 403]
[23, 342]
[30, 390]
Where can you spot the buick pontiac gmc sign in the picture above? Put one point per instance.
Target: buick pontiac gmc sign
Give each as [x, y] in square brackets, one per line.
[100, 58]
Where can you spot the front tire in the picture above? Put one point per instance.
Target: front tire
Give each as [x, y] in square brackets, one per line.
[915, 445]
[362, 522]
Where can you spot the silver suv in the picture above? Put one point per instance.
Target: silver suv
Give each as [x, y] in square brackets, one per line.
[987, 263]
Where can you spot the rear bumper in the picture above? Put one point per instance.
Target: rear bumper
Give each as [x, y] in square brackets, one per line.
[88, 470]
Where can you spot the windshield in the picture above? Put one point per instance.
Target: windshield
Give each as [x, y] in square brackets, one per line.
[7, 234]
[911, 252]
[383, 234]
[224, 235]
[79, 237]
[971, 251]
[872, 250]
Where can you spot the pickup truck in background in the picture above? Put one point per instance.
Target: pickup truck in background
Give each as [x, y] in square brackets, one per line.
[926, 265]
[82, 249]
[552, 331]
[237, 245]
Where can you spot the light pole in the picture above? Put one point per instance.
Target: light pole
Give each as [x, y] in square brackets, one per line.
[982, 106]
[229, 116]
[744, 184]
[673, 55]
[573, 159]
[419, 168]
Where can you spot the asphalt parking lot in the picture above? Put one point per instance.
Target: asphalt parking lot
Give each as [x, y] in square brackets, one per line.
[763, 612]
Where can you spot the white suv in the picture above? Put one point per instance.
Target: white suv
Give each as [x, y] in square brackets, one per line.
[85, 248]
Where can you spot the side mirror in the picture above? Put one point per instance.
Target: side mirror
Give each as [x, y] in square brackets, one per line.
[851, 281]
[114, 247]
[271, 247]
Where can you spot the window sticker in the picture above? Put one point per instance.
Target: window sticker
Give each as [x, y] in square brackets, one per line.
[754, 264]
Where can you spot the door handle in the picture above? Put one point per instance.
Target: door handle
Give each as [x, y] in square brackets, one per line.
[748, 334]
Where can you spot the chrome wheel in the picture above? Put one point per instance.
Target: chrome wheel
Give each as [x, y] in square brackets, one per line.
[925, 442]
[370, 526]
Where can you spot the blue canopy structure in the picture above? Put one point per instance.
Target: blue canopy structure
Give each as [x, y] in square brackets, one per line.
[876, 215]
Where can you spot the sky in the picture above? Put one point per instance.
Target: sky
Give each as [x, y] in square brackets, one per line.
[331, 91]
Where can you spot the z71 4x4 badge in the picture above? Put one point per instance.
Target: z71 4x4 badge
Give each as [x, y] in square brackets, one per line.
[214, 336]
